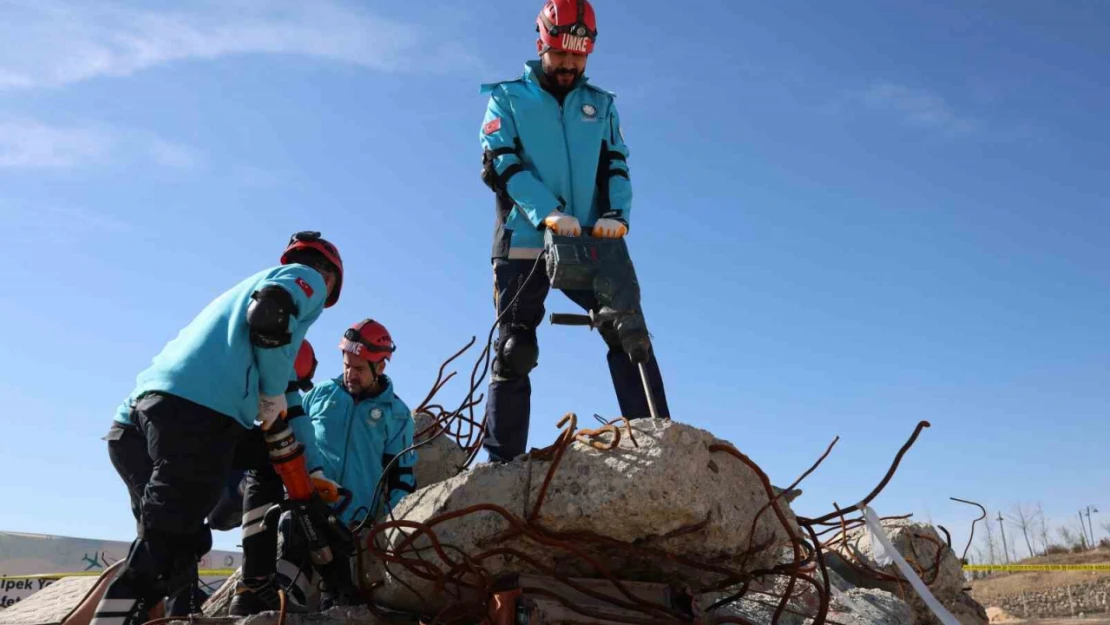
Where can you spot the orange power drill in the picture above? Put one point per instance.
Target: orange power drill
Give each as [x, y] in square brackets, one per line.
[307, 499]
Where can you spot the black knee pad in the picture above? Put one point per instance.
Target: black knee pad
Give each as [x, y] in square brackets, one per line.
[518, 352]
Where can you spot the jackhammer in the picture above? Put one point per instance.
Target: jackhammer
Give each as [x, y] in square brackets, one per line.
[330, 543]
[604, 267]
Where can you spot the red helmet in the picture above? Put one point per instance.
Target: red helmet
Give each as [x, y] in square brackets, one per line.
[303, 241]
[305, 364]
[567, 26]
[368, 340]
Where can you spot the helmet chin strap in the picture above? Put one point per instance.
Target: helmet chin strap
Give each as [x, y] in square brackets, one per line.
[374, 380]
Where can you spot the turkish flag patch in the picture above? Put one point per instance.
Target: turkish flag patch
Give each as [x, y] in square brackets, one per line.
[306, 287]
[492, 126]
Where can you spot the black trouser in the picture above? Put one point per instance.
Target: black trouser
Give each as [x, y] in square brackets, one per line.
[128, 453]
[262, 489]
[185, 452]
[508, 408]
[295, 572]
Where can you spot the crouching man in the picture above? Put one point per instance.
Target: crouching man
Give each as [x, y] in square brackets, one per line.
[357, 432]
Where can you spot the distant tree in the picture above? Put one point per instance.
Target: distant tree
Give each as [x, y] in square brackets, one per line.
[1042, 527]
[1106, 526]
[1024, 519]
[989, 541]
[1068, 535]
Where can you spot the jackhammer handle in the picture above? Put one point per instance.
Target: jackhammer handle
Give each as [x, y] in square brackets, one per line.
[571, 319]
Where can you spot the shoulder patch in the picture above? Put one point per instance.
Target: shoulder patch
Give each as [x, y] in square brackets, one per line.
[305, 286]
[492, 126]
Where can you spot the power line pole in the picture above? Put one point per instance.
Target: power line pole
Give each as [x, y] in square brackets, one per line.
[1005, 549]
[1082, 531]
[1091, 509]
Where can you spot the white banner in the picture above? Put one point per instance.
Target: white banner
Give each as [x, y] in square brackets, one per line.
[34, 554]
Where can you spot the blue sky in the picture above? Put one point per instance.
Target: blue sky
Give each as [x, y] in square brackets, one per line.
[846, 220]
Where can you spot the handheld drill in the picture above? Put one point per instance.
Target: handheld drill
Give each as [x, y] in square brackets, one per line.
[330, 542]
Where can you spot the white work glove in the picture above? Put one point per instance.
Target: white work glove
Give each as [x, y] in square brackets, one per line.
[329, 490]
[270, 407]
[563, 224]
[605, 228]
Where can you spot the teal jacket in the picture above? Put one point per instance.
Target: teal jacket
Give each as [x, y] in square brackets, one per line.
[212, 361]
[541, 155]
[355, 439]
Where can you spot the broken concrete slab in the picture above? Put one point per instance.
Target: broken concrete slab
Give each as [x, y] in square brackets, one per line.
[437, 460]
[925, 550]
[628, 494]
[50, 605]
[869, 606]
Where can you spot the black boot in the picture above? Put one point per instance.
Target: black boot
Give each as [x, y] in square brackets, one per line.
[125, 603]
[152, 569]
[253, 596]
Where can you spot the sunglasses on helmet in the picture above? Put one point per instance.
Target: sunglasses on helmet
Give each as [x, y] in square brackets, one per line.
[353, 336]
[305, 236]
[578, 28]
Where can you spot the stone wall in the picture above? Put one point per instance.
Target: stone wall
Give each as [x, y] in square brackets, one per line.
[1091, 597]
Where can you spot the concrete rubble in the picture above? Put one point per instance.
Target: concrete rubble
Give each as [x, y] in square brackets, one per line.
[637, 510]
[629, 494]
[922, 547]
[49, 605]
[437, 460]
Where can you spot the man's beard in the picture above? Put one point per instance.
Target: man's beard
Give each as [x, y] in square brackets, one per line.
[554, 74]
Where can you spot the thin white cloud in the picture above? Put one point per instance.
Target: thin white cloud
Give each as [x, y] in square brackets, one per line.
[55, 42]
[62, 223]
[32, 144]
[917, 107]
[175, 155]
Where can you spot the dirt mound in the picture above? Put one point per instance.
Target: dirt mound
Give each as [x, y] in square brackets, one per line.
[998, 615]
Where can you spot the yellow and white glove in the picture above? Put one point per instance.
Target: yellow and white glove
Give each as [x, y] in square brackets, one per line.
[270, 408]
[563, 224]
[329, 490]
[605, 228]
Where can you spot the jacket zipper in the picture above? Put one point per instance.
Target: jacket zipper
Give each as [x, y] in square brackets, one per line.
[566, 146]
[566, 141]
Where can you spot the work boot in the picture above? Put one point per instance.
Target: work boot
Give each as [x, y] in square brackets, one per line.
[261, 595]
[124, 604]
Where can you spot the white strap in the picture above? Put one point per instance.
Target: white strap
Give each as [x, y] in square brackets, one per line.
[878, 532]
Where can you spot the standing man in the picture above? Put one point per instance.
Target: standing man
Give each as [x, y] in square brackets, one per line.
[555, 156]
[194, 406]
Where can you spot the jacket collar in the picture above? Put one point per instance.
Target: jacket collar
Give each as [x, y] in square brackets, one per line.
[386, 394]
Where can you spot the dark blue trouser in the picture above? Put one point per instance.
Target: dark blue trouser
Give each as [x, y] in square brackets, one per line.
[176, 460]
[508, 408]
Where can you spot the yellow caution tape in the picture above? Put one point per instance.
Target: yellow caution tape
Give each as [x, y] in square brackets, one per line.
[1037, 567]
[202, 573]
